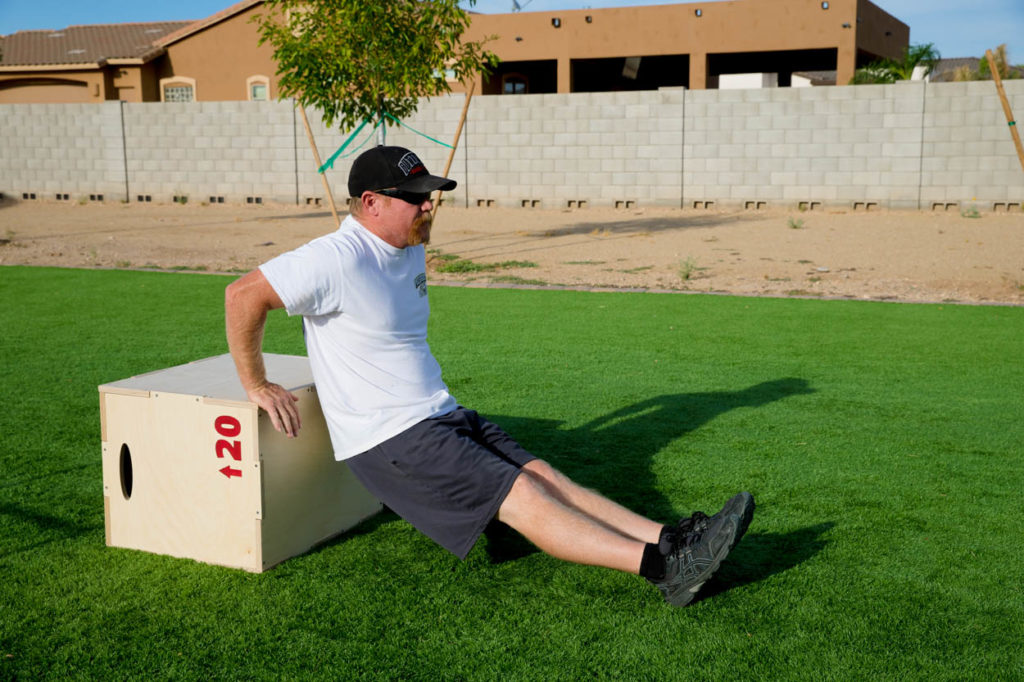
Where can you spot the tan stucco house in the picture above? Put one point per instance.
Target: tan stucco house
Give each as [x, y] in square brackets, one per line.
[694, 45]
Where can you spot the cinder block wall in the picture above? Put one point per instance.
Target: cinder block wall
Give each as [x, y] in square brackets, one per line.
[235, 151]
[586, 149]
[73, 149]
[967, 153]
[801, 145]
[909, 145]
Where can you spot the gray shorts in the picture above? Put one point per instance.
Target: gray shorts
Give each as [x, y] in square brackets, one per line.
[446, 475]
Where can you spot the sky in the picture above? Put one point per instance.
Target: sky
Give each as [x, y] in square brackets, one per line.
[957, 28]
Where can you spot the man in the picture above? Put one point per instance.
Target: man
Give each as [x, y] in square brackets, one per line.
[362, 294]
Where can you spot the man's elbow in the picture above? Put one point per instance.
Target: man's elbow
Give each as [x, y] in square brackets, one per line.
[232, 294]
[233, 300]
[251, 293]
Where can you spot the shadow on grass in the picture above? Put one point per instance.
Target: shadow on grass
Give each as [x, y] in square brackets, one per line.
[47, 528]
[762, 555]
[613, 453]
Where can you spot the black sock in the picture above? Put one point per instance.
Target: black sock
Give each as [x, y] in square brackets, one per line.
[652, 566]
[667, 537]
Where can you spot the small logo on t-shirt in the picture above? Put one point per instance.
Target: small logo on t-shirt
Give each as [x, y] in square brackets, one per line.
[421, 283]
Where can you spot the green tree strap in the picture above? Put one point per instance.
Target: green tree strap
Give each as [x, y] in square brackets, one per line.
[330, 162]
[416, 131]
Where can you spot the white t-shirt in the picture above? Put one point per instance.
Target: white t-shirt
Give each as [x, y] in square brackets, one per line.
[364, 307]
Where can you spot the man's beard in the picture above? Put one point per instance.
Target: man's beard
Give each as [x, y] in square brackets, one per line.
[420, 231]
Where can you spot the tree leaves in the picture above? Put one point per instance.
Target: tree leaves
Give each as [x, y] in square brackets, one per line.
[359, 59]
[902, 69]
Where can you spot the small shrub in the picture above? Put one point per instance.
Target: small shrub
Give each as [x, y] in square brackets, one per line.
[796, 224]
[688, 268]
[464, 265]
[437, 254]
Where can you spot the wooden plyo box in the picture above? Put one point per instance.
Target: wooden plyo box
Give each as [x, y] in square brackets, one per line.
[192, 469]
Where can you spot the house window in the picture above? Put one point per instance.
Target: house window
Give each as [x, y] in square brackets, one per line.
[258, 88]
[178, 93]
[514, 84]
[177, 89]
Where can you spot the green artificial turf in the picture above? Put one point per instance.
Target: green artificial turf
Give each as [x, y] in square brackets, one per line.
[883, 443]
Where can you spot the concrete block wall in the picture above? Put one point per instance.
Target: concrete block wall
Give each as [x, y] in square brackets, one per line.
[907, 145]
[238, 151]
[968, 157]
[801, 145]
[69, 149]
[586, 149]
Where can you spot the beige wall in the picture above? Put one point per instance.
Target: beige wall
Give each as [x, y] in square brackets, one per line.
[52, 87]
[221, 58]
[736, 26]
[879, 33]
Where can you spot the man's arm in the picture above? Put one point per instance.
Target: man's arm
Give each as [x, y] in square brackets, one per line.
[246, 302]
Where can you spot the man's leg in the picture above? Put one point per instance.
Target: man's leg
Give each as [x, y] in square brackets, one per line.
[593, 504]
[534, 508]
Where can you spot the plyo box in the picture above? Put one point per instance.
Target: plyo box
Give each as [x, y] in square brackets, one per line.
[192, 469]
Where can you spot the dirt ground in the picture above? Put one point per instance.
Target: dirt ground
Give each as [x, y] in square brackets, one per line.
[879, 255]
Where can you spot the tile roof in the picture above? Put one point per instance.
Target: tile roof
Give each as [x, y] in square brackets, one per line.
[86, 44]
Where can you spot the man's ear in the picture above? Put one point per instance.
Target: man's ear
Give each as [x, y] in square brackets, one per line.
[373, 203]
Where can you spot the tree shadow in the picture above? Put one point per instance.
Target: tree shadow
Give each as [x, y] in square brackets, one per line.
[505, 244]
[648, 224]
[613, 453]
[47, 528]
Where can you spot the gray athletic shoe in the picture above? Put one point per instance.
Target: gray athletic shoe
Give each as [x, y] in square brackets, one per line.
[741, 504]
[697, 555]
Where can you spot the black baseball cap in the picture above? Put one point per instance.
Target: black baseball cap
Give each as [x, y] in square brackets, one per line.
[393, 167]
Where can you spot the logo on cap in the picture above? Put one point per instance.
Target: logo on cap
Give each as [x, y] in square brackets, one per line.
[410, 164]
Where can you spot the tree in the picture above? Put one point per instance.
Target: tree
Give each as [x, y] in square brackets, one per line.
[359, 60]
[984, 72]
[902, 69]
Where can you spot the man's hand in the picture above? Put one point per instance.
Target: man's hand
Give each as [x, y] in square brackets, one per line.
[280, 405]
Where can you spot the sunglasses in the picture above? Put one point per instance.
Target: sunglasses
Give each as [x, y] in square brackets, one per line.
[415, 198]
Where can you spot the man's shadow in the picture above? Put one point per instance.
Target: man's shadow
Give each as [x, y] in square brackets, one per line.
[613, 454]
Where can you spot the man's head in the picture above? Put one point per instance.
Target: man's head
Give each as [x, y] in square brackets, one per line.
[384, 175]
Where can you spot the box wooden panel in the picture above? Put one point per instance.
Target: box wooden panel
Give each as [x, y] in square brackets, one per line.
[192, 469]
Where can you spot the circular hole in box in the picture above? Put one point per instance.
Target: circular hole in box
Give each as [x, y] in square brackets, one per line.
[125, 467]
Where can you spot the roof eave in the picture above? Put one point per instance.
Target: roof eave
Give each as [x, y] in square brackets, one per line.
[201, 24]
[7, 68]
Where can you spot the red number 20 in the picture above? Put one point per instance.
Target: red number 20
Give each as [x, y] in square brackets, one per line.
[232, 447]
[229, 427]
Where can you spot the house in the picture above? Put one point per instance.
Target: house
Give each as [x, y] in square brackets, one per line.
[694, 45]
[690, 44]
[84, 63]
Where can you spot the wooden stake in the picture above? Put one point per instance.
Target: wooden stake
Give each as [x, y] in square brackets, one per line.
[316, 157]
[455, 144]
[1006, 106]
